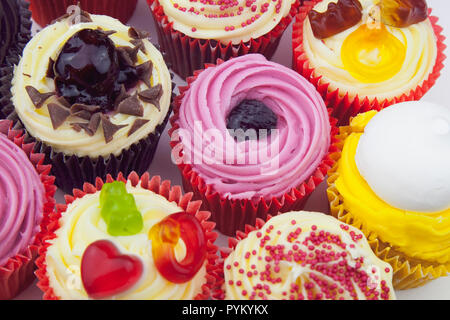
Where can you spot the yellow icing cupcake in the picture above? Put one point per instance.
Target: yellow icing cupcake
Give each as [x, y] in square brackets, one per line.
[391, 182]
[122, 241]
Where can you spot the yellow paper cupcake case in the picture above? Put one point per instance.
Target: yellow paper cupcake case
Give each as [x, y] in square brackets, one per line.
[409, 272]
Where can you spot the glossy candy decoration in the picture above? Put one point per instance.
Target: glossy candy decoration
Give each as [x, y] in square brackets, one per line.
[372, 54]
[119, 210]
[252, 114]
[106, 272]
[403, 13]
[89, 70]
[165, 236]
[339, 17]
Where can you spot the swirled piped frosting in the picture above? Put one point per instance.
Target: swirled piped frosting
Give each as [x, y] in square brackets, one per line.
[409, 57]
[269, 166]
[411, 213]
[81, 225]
[226, 20]
[33, 71]
[306, 256]
[22, 200]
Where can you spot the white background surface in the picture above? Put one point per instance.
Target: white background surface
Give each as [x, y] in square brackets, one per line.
[162, 165]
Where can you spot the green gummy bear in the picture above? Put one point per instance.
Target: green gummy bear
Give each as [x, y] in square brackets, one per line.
[119, 210]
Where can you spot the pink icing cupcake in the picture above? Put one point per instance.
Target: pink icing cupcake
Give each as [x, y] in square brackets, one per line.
[27, 193]
[251, 138]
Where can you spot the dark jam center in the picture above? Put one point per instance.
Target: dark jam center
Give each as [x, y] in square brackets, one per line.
[90, 70]
[251, 114]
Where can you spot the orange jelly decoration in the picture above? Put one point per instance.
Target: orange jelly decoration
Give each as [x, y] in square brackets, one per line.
[372, 54]
[165, 236]
[403, 13]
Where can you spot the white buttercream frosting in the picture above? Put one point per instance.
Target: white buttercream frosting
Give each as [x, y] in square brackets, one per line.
[403, 155]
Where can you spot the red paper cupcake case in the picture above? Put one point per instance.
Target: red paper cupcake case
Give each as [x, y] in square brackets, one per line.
[342, 105]
[45, 11]
[17, 273]
[231, 215]
[218, 292]
[164, 188]
[186, 54]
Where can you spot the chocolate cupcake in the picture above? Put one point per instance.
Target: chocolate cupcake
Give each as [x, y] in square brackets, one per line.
[95, 94]
[15, 25]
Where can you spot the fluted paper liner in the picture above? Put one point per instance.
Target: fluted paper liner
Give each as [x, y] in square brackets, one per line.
[340, 102]
[13, 56]
[17, 273]
[186, 54]
[232, 214]
[45, 11]
[408, 272]
[154, 184]
[218, 292]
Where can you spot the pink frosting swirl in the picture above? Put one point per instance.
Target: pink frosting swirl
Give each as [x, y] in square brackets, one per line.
[21, 200]
[273, 165]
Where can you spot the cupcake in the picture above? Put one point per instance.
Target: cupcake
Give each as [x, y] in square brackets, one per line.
[134, 239]
[367, 54]
[303, 256]
[96, 96]
[194, 33]
[251, 138]
[391, 182]
[45, 11]
[15, 25]
[27, 192]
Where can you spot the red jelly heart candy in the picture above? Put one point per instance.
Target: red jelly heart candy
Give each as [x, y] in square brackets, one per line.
[165, 236]
[106, 272]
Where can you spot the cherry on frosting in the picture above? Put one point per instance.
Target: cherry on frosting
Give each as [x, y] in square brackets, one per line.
[165, 236]
[89, 70]
[252, 114]
[106, 272]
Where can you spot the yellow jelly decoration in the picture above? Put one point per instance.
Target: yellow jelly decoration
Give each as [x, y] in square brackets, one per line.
[372, 54]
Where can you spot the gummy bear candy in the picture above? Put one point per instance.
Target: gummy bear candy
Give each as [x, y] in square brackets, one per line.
[165, 236]
[339, 17]
[403, 13]
[119, 211]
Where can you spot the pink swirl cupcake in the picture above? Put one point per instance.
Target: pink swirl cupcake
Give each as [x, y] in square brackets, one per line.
[251, 138]
[27, 193]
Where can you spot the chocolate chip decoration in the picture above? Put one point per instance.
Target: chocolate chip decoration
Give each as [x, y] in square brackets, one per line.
[138, 34]
[109, 128]
[77, 107]
[152, 95]
[145, 72]
[58, 114]
[50, 72]
[122, 96]
[94, 123]
[139, 43]
[138, 123]
[83, 114]
[131, 106]
[36, 97]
